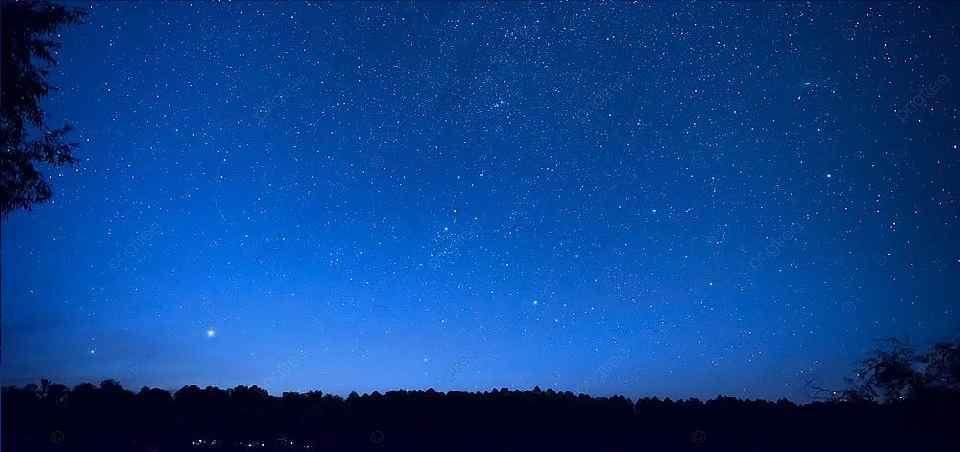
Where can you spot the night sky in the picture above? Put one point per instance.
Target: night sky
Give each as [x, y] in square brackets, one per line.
[669, 199]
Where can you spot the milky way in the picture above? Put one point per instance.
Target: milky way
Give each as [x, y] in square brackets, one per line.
[647, 199]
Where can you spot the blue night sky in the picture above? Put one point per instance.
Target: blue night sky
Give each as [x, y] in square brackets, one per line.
[673, 199]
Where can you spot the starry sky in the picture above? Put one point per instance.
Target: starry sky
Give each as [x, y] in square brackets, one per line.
[672, 199]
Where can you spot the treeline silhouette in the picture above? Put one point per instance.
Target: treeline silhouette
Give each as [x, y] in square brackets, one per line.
[891, 408]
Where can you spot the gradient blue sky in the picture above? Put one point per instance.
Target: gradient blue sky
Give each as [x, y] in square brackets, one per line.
[680, 199]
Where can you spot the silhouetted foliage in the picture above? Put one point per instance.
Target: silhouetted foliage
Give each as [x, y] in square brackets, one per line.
[29, 48]
[901, 400]
[896, 372]
[110, 418]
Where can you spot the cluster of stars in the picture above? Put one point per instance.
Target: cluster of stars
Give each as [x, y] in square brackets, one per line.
[381, 185]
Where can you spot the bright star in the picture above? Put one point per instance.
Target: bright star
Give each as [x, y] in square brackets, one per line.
[211, 332]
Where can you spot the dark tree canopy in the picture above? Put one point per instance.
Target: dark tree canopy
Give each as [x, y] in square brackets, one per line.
[897, 372]
[30, 45]
[109, 418]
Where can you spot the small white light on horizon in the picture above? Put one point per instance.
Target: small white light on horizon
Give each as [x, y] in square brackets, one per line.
[211, 332]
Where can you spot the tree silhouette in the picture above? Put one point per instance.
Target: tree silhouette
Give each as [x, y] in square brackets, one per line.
[30, 43]
[110, 418]
[896, 372]
[943, 367]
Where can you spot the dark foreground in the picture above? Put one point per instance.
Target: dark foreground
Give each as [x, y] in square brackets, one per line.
[109, 418]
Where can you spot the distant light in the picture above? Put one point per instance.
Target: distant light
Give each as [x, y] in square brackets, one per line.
[211, 332]
[829, 176]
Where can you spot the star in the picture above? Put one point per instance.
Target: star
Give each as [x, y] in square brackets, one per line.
[337, 216]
